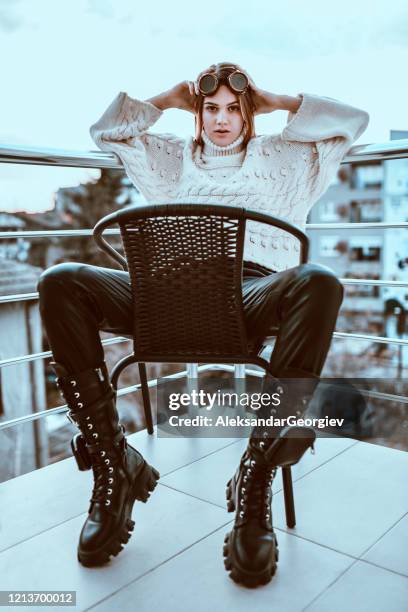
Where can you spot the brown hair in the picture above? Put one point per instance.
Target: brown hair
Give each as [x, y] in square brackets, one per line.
[223, 70]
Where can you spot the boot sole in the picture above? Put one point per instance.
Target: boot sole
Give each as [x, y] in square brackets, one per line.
[141, 490]
[236, 572]
[244, 576]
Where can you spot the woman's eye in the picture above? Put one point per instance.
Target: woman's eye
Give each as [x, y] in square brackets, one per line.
[231, 108]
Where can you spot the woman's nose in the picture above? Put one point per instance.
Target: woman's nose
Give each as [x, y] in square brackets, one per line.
[221, 117]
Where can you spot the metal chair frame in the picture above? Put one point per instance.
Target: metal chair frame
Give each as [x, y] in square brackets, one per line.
[137, 225]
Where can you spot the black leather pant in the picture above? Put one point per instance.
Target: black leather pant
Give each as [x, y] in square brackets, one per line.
[78, 300]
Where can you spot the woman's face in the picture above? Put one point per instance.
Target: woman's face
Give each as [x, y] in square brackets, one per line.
[222, 118]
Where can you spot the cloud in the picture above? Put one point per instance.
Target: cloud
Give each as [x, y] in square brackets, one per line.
[102, 8]
[10, 19]
[313, 29]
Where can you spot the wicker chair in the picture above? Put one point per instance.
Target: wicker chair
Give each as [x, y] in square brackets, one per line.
[185, 266]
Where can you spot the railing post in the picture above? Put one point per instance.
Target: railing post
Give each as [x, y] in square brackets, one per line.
[192, 370]
[239, 370]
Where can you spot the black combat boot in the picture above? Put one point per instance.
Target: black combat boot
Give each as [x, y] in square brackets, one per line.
[251, 548]
[121, 475]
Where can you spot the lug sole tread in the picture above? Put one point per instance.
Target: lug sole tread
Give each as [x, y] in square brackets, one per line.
[251, 580]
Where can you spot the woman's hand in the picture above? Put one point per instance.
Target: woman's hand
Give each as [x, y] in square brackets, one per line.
[267, 102]
[183, 96]
[264, 101]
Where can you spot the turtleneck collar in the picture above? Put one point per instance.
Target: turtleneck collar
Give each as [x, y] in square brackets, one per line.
[213, 150]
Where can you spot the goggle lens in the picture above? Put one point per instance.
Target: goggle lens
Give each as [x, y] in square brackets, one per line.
[207, 84]
[238, 81]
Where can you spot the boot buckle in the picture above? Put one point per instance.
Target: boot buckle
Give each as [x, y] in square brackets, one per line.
[80, 453]
[289, 449]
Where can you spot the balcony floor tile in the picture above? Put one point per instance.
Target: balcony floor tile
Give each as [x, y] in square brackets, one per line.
[170, 454]
[351, 501]
[196, 580]
[347, 496]
[206, 479]
[167, 524]
[365, 588]
[65, 491]
[391, 551]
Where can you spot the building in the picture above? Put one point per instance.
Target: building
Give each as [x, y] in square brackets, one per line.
[367, 193]
[22, 385]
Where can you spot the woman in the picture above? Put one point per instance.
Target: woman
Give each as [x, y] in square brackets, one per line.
[283, 174]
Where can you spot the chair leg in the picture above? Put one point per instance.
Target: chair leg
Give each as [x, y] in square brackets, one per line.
[146, 397]
[288, 494]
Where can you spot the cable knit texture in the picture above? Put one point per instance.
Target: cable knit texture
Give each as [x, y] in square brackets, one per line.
[280, 174]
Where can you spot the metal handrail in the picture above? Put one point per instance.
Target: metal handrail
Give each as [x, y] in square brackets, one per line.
[35, 416]
[119, 339]
[374, 283]
[115, 232]
[380, 339]
[26, 297]
[358, 226]
[18, 297]
[46, 354]
[15, 154]
[111, 231]
[44, 156]
[153, 382]
[51, 233]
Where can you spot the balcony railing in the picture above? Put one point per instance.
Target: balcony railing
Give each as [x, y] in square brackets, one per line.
[395, 149]
[94, 159]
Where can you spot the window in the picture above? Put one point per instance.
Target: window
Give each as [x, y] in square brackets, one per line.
[365, 254]
[328, 212]
[367, 210]
[371, 176]
[365, 248]
[329, 246]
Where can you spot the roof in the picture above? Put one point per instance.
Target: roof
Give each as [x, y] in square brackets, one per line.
[16, 277]
[8, 220]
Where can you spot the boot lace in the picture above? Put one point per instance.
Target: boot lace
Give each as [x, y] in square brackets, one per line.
[104, 461]
[103, 467]
[257, 490]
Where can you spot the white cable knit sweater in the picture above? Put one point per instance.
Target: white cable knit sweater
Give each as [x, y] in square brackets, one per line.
[280, 174]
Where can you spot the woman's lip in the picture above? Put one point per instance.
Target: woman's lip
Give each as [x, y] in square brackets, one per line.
[219, 132]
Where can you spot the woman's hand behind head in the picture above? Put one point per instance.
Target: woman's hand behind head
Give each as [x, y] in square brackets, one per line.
[183, 96]
[263, 101]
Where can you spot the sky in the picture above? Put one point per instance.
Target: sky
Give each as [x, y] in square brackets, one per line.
[62, 63]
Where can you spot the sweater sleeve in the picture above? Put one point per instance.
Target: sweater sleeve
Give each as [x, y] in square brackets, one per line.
[124, 118]
[329, 128]
[152, 161]
[320, 118]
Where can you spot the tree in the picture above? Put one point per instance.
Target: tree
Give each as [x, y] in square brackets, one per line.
[84, 206]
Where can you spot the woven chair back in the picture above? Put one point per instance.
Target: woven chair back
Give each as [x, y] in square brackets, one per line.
[185, 272]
